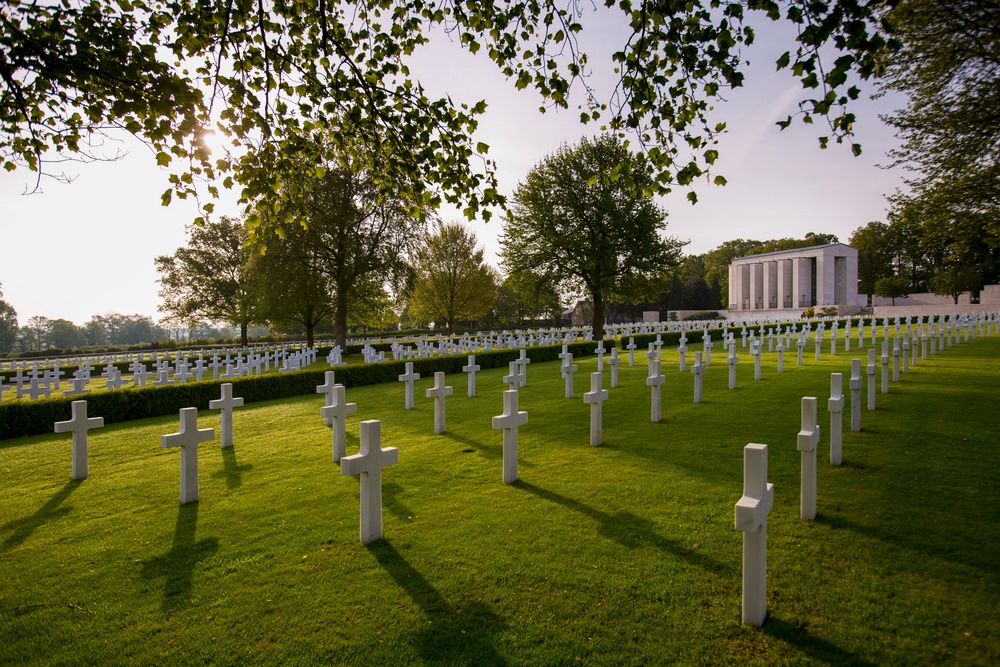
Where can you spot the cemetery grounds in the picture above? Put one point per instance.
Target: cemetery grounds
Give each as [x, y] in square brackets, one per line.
[623, 554]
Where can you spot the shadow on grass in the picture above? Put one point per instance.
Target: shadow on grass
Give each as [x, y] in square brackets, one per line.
[390, 500]
[453, 636]
[817, 649]
[177, 565]
[492, 451]
[628, 530]
[21, 529]
[929, 540]
[232, 471]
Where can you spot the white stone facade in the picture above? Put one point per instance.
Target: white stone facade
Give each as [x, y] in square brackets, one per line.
[825, 275]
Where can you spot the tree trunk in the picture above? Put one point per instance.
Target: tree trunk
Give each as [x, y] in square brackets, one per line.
[340, 320]
[598, 324]
[309, 334]
[243, 334]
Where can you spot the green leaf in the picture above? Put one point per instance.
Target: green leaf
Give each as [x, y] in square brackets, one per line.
[482, 148]
[166, 197]
[162, 159]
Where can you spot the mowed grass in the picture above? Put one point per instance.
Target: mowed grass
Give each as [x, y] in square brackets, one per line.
[614, 555]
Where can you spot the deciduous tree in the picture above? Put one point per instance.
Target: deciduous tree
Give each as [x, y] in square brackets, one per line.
[577, 224]
[357, 236]
[209, 277]
[451, 281]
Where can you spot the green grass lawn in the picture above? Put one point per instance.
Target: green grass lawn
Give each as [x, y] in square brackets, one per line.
[619, 554]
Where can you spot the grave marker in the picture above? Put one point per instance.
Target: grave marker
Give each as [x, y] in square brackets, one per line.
[438, 393]
[836, 407]
[568, 368]
[595, 397]
[808, 440]
[885, 367]
[369, 463]
[335, 414]
[78, 425]
[871, 379]
[188, 439]
[614, 361]
[509, 422]
[471, 369]
[226, 403]
[698, 369]
[409, 377]
[655, 380]
[732, 360]
[751, 519]
[855, 394]
[327, 389]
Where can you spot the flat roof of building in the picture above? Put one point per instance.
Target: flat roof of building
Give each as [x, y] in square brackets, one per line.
[790, 250]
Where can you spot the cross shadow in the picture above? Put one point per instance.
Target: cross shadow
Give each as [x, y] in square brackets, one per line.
[628, 530]
[177, 565]
[390, 500]
[490, 450]
[453, 635]
[232, 471]
[21, 529]
[818, 649]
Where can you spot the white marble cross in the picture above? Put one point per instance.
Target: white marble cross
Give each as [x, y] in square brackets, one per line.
[327, 389]
[655, 380]
[596, 397]
[599, 351]
[438, 393]
[885, 366]
[509, 422]
[751, 519]
[513, 378]
[139, 375]
[568, 368]
[819, 343]
[38, 387]
[614, 361]
[801, 343]
[471, 369]
[78, 385]
[836, 407]
[188, 439]
[78, 425]
[335, 413]
[682, 351]
[781, 355]
[369, 463]
[755, 351]
[522, 368]
[896, 352]
[871, 378]
[808, 440]
[708, 345]
[631, 351]
[409, 377]
[906, 353]
[226, 403]
[732, 360]
[3, 387]
[162, 378]
[698, 369]
[855, 394]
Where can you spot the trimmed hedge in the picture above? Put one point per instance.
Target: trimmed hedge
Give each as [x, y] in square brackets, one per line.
[27, 417]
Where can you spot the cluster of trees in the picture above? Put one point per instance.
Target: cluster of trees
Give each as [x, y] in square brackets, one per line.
[41, 333]
[944, 231]
[910, 255]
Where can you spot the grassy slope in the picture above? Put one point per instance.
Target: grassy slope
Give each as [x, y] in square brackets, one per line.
[622, 554]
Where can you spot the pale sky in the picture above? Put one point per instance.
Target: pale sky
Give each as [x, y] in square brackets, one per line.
[87, 248]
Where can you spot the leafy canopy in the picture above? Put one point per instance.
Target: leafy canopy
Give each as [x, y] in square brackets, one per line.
[573, 228]
[292, 85]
